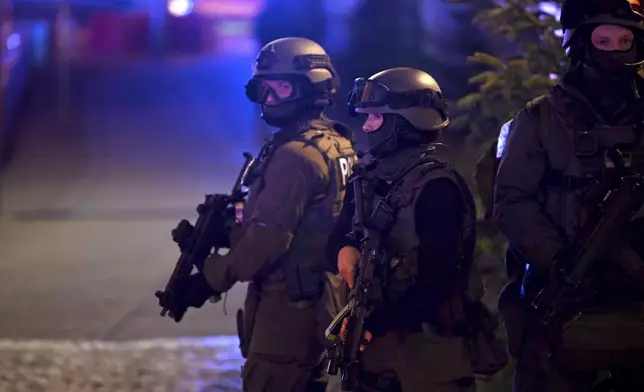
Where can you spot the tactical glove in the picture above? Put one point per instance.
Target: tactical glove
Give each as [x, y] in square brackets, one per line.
[192, 291]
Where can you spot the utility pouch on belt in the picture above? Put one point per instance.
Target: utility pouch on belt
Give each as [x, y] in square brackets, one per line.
[246, 318]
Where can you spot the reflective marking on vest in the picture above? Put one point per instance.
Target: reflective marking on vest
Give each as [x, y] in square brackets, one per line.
[503, 139]
[346, 164]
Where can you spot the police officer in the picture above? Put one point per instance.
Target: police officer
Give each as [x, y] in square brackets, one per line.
[556, 147]
[296, 193]
[415, 341]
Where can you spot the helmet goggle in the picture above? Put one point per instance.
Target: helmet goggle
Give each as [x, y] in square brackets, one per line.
[259, 89]
[373, 94]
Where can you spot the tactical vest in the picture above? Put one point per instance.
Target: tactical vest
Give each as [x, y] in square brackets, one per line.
[576, 152]
[302, 267]
[402, 241]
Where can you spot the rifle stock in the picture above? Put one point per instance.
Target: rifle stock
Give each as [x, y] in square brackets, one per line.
[210, 232]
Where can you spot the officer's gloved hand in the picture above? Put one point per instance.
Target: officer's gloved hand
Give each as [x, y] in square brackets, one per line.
[194, 291]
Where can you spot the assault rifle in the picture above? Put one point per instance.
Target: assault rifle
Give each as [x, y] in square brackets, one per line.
[602, 236]
[209, 234]
[344, 354]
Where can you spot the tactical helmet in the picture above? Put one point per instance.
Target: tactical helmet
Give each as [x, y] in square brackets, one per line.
[576, 14]
[299, 60]
[411, 93]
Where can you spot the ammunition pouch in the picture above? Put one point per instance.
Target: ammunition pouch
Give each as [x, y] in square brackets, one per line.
[590, 145]
[514, 315]
[383, 217]
[304, 281]
[586, 143]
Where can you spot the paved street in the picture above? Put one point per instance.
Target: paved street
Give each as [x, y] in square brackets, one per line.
[87, 208]
[182, 365]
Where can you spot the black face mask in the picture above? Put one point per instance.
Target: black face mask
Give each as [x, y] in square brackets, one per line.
[396, 134]
[289, 113]
[384, 140]
[614, 64]
[280, 115]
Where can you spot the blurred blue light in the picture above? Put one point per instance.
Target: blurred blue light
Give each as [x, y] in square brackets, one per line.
[40, 39]
[180, 8]
[13, 42]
